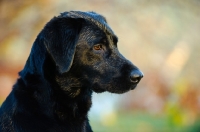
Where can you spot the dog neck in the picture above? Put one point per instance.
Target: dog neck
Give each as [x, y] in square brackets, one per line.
[76, 108]
[73, 99]
[53, 101]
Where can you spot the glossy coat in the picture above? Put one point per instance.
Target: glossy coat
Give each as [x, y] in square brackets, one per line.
[54, 90]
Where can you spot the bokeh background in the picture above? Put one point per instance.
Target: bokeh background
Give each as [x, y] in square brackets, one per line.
[160, 37]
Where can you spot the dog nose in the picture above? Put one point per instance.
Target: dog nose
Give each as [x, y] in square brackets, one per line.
[135, 76]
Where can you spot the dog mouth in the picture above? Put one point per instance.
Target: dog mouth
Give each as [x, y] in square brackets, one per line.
[115, 86]
[124, 90]
[98, 90]
[133, 86]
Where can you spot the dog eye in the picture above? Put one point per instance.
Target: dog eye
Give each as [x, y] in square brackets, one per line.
[98, 47]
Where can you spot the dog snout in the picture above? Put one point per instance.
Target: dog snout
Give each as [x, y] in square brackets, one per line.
[136, 76]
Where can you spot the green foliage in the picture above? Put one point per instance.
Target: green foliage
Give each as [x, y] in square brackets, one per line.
[144, 122]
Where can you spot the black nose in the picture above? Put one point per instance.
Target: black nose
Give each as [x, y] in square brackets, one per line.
[135, 76]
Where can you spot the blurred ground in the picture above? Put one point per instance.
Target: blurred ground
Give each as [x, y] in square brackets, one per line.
[160, 37]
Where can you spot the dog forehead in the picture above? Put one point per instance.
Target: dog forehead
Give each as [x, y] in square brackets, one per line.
[92, 17]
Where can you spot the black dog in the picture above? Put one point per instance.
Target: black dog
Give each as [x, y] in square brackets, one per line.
[75, 54]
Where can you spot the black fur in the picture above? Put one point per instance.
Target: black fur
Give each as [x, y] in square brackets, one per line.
[53, 93]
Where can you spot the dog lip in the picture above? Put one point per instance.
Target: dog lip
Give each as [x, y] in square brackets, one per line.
[133, 87]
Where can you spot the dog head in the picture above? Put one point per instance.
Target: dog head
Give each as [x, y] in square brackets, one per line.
[84, 49]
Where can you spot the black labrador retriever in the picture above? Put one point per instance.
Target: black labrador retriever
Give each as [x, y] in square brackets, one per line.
[75, 54]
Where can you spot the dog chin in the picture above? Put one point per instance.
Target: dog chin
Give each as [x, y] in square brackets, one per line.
[118, 91]
[133, 87]
[98, 90]
[114, 90]
[121, 91]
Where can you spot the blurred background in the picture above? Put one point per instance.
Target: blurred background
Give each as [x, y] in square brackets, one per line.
[160, 37]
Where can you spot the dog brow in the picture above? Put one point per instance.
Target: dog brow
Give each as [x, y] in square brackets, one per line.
[115, 39]
[112, 39]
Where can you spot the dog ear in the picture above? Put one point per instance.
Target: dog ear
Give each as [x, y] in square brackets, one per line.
[60, 36]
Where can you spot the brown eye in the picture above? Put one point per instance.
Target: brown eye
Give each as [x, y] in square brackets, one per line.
[98, 47]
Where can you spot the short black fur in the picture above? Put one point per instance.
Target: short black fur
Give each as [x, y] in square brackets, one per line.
[53, 93]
